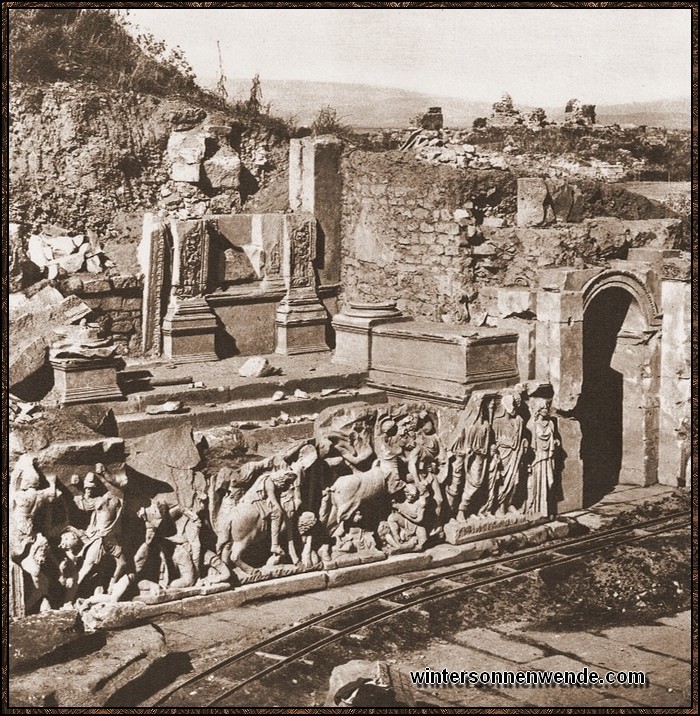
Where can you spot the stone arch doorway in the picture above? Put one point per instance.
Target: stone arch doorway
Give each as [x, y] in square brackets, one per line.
[600, 408]
[599, 346]
[618, 404]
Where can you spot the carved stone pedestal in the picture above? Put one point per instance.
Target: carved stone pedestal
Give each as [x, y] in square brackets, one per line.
[353, 331]
[86, 380]
[189, 329]
[301, 324]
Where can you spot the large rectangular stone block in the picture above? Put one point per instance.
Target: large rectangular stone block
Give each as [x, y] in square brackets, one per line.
[441, 363]
[675, 388]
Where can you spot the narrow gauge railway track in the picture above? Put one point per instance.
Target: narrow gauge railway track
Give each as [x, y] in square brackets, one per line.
[291, 645]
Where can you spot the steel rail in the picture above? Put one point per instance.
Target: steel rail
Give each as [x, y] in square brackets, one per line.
[603, 536]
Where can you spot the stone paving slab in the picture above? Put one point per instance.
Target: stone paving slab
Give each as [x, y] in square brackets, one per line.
[202, 631]
[677, 676]
[470, 696]
[613, 702]
[452, 656]
[662, 639]
[599, 651]
[93, 678]
[656, 695]
[682, 620]
[498, 645]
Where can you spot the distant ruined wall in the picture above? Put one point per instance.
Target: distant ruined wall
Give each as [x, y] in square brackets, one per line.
[430, 238]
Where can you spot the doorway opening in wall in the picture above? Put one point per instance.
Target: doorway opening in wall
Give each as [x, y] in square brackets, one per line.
[601, 406]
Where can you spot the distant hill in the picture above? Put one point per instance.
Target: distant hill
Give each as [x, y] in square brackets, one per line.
[367, 106]
[672, 114]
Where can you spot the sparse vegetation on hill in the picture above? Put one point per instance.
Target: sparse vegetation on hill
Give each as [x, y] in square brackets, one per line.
[50, 45]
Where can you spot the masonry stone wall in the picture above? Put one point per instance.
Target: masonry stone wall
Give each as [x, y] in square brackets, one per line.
[431, 238]
[406, 231]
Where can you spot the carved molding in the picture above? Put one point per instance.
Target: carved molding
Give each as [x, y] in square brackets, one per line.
[631, 282]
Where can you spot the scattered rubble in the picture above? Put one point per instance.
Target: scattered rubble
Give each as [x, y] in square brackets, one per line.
[442, 146]
[23, 412]
[57, 254]
[171, 406]
[256, 367]
[32, 326]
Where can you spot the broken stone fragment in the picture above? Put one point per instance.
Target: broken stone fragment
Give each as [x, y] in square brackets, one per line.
[93, 264]
[532, 195]
[71, 263]
[561, 196]
[171, 406]
[223, 170]
[278, 395]
[256, 367]
[187, 119]
[299, 393]
[186, 152]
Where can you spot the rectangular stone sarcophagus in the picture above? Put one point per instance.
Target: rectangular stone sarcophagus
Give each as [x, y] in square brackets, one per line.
[441, 363]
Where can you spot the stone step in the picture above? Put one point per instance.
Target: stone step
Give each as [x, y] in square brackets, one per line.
[133, 425]
[261, 388]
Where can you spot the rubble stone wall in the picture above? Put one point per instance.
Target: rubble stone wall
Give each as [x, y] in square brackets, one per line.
[116, 300]
[401, 241]
[93, 161]
[431, 238]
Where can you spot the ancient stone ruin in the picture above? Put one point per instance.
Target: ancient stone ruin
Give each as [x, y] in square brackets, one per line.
[578, 113]
[496, 352]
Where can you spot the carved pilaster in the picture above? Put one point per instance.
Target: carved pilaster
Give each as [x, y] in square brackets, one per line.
[189, 326]
[272, 230]
[153, 254]
[301, 319]
[191, 260]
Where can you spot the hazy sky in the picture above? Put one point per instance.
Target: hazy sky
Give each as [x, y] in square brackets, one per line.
[542, 57]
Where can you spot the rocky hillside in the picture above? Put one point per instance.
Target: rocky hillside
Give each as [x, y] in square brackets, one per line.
[92, 112]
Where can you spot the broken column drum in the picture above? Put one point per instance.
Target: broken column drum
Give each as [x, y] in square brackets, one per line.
[353, 331]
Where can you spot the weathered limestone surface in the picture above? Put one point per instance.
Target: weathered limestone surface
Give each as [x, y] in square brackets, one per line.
[315, 186]
[532, 194]
[31, 329]
[441, 362]
[675, 386]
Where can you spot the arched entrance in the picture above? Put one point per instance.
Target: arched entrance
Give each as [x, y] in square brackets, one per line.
[617, 408]
[598, 345]
[600, 408]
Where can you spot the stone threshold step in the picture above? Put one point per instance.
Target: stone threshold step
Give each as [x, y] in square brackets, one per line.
[133, 425]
